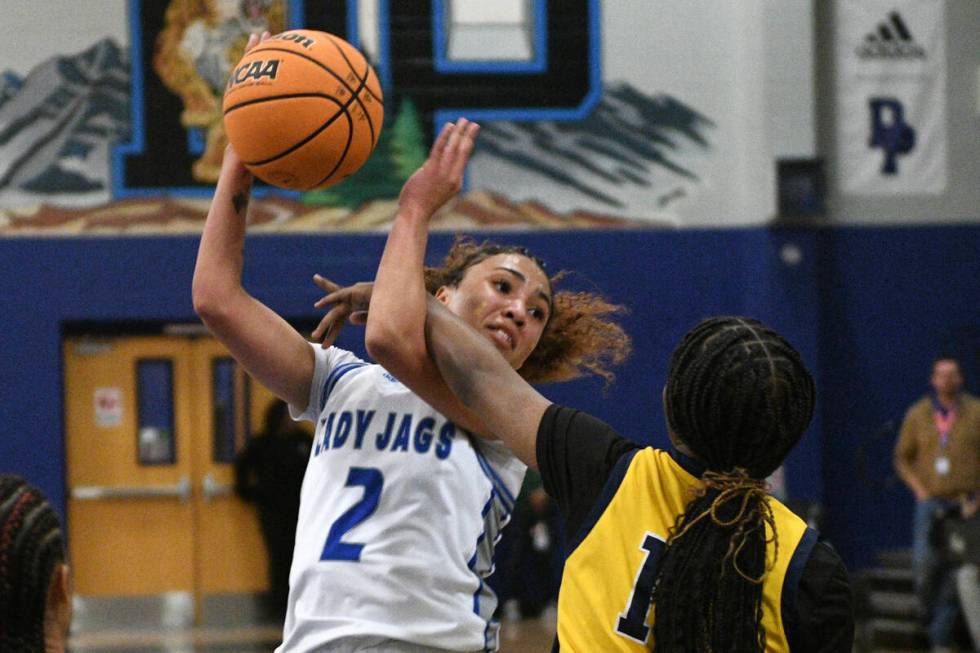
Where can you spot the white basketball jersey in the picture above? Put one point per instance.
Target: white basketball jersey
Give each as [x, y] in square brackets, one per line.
[399, 513]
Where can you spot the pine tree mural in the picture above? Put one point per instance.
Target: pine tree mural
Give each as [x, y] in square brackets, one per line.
[408, 144]
[399, 152]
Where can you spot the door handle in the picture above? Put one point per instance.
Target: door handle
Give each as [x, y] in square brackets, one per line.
[211, 488]
[179, 490]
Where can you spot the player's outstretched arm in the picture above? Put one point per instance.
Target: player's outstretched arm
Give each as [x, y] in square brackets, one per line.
[485, 382]
[265, 345]
[395, 335]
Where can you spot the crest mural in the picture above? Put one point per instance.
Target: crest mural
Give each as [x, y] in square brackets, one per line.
[194, 54]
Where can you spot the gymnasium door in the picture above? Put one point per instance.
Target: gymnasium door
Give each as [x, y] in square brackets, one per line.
[153, 425]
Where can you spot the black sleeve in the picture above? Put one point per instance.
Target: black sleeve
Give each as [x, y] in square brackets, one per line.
[576, 453]
[822, 619]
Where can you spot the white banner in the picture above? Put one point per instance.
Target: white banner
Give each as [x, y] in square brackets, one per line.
[891, 96]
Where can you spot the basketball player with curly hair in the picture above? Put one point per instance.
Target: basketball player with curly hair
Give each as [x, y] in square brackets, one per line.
[689, 535]
[35, 592]
[402, 500]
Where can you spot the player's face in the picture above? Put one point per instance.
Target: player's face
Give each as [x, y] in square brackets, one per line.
[507, 298]
[946, 378]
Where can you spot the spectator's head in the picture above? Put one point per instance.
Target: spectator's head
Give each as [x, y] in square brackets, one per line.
[35, 594]
[947, 378]
[277, 420]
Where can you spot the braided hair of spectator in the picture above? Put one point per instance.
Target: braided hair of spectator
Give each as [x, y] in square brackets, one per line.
[739, 397]
[31, 547]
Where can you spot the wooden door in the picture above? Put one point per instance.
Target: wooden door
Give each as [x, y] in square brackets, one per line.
[152, 428]
[129, 419]
[230, 553]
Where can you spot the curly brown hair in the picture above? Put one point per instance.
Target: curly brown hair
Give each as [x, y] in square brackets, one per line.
[580, 336]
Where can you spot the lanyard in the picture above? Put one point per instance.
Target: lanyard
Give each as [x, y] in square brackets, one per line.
[944, 424]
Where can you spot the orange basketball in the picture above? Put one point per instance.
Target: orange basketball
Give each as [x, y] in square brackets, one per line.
[303, 109]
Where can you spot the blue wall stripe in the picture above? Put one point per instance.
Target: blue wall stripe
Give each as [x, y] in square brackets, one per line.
[839, 307]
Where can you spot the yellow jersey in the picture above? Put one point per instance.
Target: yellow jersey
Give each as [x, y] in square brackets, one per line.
[609, 574]
[620, 501]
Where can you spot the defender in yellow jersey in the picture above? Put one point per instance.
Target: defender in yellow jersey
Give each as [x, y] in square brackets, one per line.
[681, 550]
[633, 528]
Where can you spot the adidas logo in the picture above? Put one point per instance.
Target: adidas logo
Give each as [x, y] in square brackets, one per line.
[892, 40]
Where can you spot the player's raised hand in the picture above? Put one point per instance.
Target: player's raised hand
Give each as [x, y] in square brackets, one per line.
[254, 39]
[350, 303]
[441, 176]
[231, 160]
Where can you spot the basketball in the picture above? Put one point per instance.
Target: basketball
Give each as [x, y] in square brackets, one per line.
[303, 109]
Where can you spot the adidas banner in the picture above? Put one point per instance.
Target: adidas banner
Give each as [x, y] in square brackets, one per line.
[891, 96]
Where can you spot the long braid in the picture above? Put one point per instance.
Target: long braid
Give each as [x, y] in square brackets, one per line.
[739, 396]
[31, 546]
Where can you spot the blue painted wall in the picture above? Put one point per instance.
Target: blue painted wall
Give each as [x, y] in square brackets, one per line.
[866, 307]
[891, 300]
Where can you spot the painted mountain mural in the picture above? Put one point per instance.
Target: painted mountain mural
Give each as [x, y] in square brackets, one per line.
[58, 123]
[633, 154]
[622, 165]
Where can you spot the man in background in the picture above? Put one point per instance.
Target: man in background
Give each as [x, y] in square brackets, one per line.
[938, 458]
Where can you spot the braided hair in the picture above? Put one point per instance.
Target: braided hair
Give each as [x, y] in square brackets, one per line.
[739, 397]
[31, 547]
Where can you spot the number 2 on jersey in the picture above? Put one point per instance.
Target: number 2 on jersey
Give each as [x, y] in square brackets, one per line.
[372, 481]
[632, 623]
